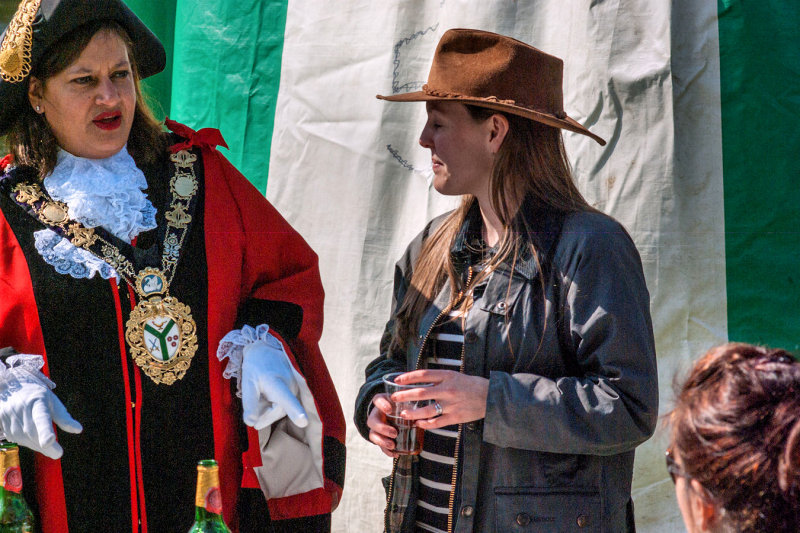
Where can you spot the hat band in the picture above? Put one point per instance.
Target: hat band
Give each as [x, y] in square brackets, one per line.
[15, 52]
[489, 99]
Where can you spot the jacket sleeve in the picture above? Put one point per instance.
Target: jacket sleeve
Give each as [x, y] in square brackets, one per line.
[281, 287]
[612, 404]
[390, 360]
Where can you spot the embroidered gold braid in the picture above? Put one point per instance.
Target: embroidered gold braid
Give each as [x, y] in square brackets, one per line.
[15, 52]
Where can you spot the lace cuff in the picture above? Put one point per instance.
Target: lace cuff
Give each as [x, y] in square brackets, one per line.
[23, 367]
[232, 345]
[66, 258]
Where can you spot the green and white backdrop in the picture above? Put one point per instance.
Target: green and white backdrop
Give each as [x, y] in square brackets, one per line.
[699, 101]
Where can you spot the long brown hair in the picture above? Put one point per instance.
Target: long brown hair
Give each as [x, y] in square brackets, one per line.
[30, 138]
[532, 164]
[736, 429]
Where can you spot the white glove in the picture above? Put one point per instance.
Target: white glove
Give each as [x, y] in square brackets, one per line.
[269, 385]
[28, 407]
[277, 402]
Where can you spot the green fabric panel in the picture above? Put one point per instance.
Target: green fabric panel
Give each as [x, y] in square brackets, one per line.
[226, 73]
[7, 10]
[760, 69]
[160, 18]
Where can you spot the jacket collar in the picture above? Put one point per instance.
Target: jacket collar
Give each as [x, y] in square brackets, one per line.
[469, 232]
[541, 224]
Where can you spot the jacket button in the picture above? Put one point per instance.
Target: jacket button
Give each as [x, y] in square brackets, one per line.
[471, 336]
[582, 520]
[523, 519]
[467, 511]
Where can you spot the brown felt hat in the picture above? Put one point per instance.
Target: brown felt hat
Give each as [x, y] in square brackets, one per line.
[494, 71]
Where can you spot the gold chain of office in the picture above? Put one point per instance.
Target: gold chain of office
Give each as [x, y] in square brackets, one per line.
[161, 333]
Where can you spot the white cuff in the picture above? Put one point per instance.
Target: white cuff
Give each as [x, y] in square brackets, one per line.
[21, 367]
[232, 344]
[24, 367]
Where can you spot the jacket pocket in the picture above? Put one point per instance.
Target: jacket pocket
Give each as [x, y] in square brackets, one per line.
[547, 510]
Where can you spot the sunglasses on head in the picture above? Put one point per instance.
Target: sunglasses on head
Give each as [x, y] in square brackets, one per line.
[673, 468]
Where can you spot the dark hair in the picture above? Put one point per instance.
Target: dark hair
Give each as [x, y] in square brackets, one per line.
[531, 163]
[736, 428]
[30, 138]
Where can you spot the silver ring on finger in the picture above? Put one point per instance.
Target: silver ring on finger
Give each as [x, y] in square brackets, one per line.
[438, 407]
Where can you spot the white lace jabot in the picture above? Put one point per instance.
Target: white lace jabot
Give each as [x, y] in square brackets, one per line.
[98, 192]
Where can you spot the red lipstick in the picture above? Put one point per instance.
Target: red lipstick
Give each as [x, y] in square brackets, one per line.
[108, 120]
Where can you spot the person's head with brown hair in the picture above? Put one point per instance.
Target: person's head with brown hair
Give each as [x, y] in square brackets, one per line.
[57, 118]
[735, 441]
[69, 79]
[495, 114]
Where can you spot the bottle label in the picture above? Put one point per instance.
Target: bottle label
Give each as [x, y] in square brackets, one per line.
[12, 479]
[213, 500]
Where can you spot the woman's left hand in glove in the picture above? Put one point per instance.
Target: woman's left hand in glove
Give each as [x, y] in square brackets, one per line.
[269, 387]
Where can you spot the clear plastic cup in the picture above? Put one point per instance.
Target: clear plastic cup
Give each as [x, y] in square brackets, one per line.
[409, 436]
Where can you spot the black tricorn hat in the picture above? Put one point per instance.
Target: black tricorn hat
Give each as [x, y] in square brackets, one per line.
[39, 24]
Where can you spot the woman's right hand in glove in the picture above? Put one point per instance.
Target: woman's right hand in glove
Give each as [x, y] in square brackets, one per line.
[28, 409]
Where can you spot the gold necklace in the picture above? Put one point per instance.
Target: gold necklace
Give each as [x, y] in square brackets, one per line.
[161, 333]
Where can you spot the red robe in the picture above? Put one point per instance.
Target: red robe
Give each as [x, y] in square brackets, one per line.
[241, 263]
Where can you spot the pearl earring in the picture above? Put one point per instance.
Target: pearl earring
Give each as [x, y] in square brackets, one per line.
[38, 109]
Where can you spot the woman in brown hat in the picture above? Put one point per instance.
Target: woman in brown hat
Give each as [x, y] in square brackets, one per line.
[133, 262]
[525, 307]
[735, 442]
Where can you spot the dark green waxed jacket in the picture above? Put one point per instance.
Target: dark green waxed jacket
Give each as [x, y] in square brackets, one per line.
[573, 383]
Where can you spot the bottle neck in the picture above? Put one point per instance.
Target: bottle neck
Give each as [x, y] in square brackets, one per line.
[208, 499]
[203, 515]
[10, 474]
[10, 495]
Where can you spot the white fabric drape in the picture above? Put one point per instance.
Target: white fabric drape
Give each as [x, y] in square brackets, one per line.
[347, 172]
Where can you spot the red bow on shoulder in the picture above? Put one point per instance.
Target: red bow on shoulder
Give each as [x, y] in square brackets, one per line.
[207, 136]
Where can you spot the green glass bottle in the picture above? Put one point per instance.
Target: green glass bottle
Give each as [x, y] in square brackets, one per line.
[15, 516]
[208, 500]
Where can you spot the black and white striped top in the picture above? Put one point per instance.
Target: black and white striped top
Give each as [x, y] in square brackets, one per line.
[438, 448]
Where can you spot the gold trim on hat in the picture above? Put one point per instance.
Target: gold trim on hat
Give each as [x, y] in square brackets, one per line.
[446, 94]
[561, 115]
[15, 52]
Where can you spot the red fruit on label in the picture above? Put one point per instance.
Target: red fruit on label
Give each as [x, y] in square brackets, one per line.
[214, 501]
[13, 479]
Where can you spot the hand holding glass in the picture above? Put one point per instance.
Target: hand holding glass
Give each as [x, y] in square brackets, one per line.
[409, 436]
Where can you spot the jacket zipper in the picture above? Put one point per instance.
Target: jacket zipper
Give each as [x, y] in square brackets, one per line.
[445, 311]
[452, 499]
